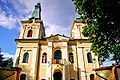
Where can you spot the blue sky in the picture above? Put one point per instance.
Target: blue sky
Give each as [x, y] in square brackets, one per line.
[57, 16]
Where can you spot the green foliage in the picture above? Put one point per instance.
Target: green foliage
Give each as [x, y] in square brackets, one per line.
[103, 26]
[10, 63]
[5, 63]
[1, 57]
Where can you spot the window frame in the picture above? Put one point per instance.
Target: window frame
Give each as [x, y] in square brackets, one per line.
[25, 76]
[44, 55]
[30, 33]
[89, 57]
[55, 55]
[24, 58]
[71, 55]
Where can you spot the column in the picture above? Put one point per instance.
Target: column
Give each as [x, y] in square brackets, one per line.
[96, 57]
[64, 69]
[65, 53]
[16, 56]
[81, 63]
[33, 63]
[22, 32]
[50, 59]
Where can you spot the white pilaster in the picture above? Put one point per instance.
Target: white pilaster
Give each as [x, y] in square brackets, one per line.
[50, 59]
[81, 63]
[65, 51]
[34, 55]
[22, 32]
[83, 74]
[97, 61]
[64, 69]
[65, 58]
[16, 56]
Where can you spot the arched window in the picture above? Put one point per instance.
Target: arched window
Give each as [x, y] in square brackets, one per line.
[44, 58]
[89, 57]
[29, 33]
[25, 58]
[22, 77]
[92, 77]
[71, 59]
[57, 54]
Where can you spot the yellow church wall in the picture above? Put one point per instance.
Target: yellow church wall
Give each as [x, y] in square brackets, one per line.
[42, 66]
[107, 74]
[73, 66]
[118, 73]
[28, 45]
[66, 47]
[42, 72]
[88, 66]
[27, 68]
[76, 30]
[73, 73]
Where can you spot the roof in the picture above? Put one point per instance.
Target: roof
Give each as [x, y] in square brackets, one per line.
[106, 68]
[10, 69]
[58, 35]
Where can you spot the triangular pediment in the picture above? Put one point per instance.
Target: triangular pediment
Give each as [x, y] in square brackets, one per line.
[58, 37]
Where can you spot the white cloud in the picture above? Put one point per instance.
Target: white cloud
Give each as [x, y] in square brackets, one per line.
[7, 55]
[108, 63]
[4, 1]
[7, 21]
[58, 14]
[57, 29]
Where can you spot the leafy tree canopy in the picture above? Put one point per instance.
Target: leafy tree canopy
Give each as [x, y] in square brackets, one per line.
[5, 63]
[103, 26]
[1, 57]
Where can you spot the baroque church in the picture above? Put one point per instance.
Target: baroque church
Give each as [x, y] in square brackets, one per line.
[56, 57]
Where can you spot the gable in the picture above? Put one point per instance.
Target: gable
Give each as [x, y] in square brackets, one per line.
[58, 37]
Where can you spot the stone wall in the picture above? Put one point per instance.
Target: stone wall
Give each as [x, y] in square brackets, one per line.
[10, 73]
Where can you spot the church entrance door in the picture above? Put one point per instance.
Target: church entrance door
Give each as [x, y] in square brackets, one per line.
[57, 76]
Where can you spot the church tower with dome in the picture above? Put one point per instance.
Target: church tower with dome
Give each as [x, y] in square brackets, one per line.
[56, 57]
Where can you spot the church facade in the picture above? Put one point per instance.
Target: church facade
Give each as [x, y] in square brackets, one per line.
[56, 57]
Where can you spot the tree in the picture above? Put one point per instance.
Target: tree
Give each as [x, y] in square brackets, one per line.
[10, 63]
[5, 63]
[103, 26]
[1, 58]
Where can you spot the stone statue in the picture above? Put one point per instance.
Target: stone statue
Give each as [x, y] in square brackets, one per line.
[37, 12]
[78, 16]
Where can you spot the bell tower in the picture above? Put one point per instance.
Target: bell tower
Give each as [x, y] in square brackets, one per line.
[33, 28]
[77, 28]
[28, 44]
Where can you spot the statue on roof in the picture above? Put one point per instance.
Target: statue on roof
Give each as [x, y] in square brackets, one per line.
[78, 16]
[37, 12]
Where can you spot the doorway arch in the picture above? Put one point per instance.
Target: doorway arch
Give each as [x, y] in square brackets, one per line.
[57, 75]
